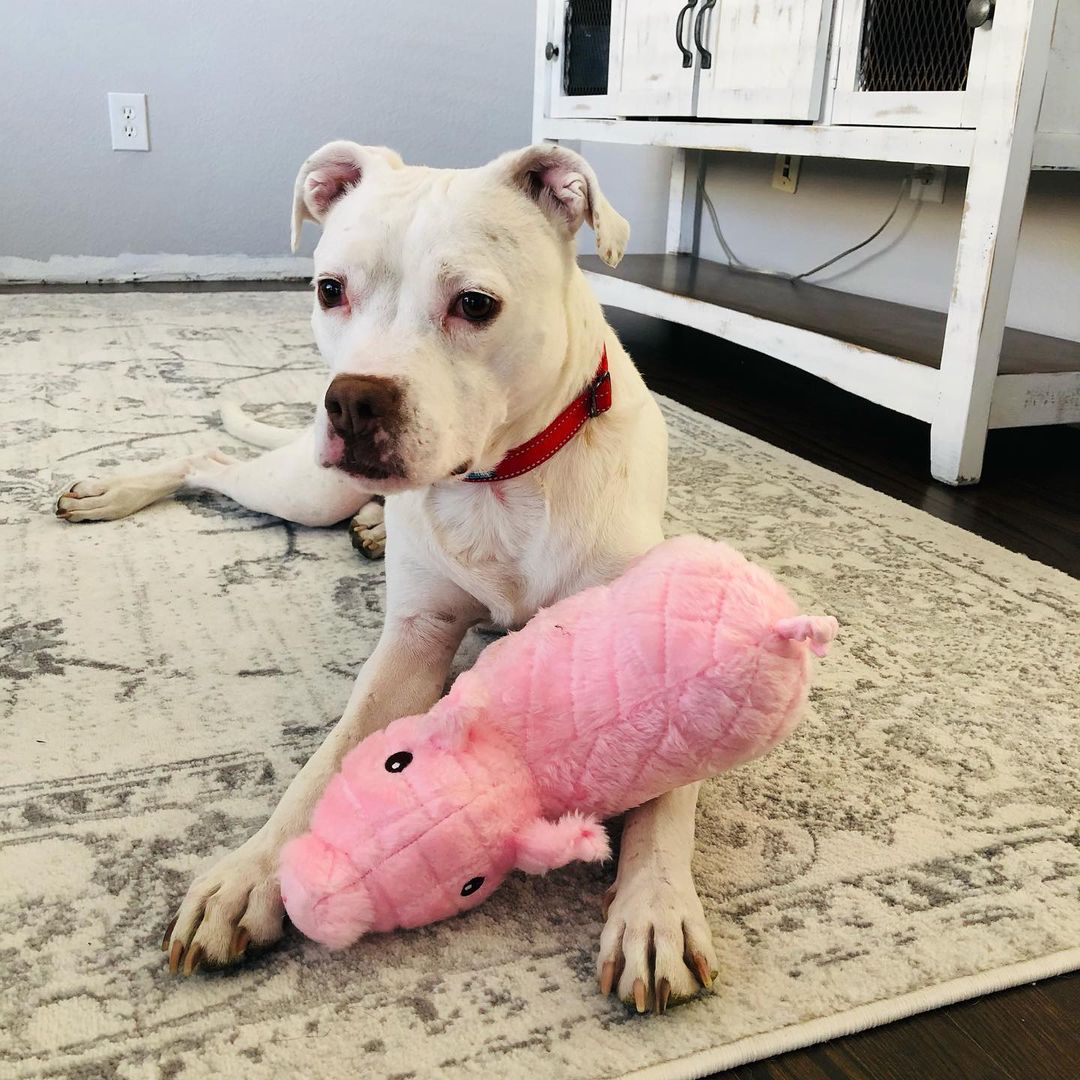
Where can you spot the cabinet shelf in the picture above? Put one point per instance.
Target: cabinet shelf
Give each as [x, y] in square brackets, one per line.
[884, 351]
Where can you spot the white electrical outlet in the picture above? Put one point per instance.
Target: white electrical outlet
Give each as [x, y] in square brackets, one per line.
[928, 183]
[127, 122]
[785, 175]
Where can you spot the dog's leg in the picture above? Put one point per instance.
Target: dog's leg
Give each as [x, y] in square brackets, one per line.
[121, 495]
[656, 947]
[287, 482]
[238, 899]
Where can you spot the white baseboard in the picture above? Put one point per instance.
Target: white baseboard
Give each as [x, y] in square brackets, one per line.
[92, 269]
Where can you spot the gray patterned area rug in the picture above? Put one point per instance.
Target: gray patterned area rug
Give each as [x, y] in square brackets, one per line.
[915, 842]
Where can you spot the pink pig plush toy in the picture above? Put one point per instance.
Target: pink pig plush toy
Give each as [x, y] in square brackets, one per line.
[692, 662]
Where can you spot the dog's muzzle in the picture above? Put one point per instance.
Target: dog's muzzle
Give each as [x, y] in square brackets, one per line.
[364, 412]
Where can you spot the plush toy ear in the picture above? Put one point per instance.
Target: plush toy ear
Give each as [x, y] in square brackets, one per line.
[564, 186]
[544, 845]
[454, 726]
[329, 173]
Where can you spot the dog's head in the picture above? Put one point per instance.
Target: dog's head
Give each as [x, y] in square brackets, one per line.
[440, 300]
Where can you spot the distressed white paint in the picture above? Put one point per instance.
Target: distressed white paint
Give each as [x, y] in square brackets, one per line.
[768, 59]
[997, 184]
[932, 146]
[646, 76]
[542, 68]
[1031, 400]
[896, 383]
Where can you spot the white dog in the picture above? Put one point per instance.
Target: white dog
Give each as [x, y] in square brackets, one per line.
[456, 325]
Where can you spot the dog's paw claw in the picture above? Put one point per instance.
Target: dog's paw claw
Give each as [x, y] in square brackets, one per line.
[193, 959]
[175, 956]
[167, 936]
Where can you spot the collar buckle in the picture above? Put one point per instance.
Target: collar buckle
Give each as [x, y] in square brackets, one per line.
[599, 384]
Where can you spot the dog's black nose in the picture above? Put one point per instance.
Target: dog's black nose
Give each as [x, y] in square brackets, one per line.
[359, 404]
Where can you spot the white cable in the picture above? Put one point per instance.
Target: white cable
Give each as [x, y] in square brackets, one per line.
[735, 261]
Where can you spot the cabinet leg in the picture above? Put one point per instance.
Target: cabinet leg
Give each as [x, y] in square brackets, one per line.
[673, 241]
[956, 456]
[989, 231]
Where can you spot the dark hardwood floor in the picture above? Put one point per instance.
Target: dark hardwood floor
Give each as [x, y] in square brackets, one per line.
[1028, 501]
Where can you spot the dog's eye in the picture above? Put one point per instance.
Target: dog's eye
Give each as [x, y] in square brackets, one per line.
[477, 307]
[399, 761]
[330, 292]
[471, 886]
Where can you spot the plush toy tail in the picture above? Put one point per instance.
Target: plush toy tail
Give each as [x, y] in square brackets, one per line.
[322, 895]
[819, 629]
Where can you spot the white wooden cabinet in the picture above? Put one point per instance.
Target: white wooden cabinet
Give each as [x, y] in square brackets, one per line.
[888, 80]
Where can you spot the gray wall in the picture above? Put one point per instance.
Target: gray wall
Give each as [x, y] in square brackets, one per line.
[240, 92]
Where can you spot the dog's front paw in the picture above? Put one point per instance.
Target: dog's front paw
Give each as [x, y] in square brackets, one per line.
[368, 530]
[234, 904]
[656, 949]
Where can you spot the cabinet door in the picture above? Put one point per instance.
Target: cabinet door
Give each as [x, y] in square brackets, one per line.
[762, 61]
[652, 71]
[573, 41]
[908, 63]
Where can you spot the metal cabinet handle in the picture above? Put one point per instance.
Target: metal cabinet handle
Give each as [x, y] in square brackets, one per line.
[979, 12]
[687, 55]
[699, 25]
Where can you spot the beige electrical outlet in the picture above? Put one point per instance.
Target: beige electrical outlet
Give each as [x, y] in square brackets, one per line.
[785, 175]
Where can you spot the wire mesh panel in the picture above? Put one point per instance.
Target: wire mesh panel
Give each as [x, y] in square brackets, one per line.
[585, 41]
[914, 45]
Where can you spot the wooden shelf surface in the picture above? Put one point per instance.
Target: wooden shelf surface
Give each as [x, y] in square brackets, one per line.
[915, 334]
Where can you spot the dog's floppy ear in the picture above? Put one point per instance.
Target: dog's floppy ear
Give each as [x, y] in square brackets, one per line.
[329, 173]
[564, 186]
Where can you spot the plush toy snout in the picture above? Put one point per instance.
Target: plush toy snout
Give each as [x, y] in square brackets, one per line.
[546, 845]
[325, 899]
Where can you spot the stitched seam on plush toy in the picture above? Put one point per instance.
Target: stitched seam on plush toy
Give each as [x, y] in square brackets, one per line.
[583, 769]
[417, 839]
[651, 698]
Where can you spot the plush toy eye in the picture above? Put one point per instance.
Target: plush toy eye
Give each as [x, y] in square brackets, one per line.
[397, 762]
[471, 886]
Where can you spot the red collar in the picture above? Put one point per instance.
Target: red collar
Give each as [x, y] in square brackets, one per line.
[594, 400]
